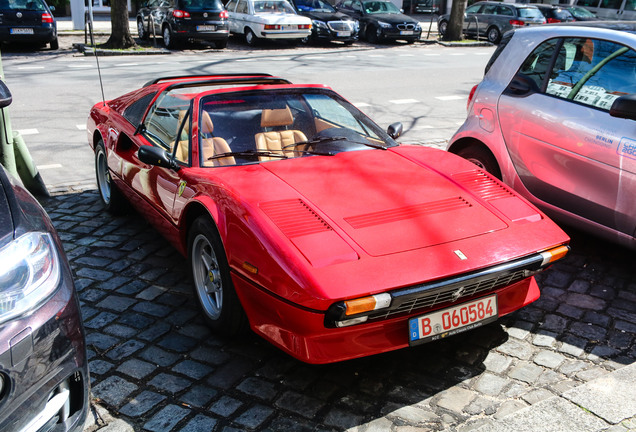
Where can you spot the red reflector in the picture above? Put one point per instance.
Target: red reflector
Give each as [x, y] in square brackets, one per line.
[180, 14]
[553, 20]
[516, 23]
[272, 27]
[47, 18]
[224, 15]
[470, 96]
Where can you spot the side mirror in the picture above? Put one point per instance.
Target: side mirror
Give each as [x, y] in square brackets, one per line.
[624, 107]
[395, 130]
[158, 157]
[5, 95]
[521, 85]
[52, 8]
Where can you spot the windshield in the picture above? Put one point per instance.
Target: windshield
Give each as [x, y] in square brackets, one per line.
[314, 6]
[579, 12]
[201, 5]
[380, 7]
[273, 6]
[259, 126]
[530, 13]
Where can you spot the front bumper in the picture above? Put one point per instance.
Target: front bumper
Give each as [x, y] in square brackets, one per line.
[395, 34]
[43, 367]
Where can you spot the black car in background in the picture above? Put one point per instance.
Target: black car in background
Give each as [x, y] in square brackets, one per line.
[554, 13]
[381, 20]
[327, 23]
[581, 14]
[28, 21]
[182, 20]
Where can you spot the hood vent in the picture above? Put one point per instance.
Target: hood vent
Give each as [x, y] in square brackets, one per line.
[410, 212]
[483, 185]
[294, 218]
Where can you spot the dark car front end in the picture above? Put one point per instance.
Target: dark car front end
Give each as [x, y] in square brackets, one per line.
[44, 381]
[397, 27]
[205, 20]
[27, 22]
[327, 23]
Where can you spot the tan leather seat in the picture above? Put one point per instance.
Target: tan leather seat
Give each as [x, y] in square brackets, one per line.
[276, 140]
[209, 146]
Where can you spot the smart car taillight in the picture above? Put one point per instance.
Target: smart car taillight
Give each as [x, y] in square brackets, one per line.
[47, 18]
[516, 23]
[180, 14]
[224, 15]
[470, 96]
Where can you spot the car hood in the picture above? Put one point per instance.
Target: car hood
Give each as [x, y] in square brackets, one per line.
[386, 203]
[391, 18]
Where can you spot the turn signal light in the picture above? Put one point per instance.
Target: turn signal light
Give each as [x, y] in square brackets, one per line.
[367, 304]
[554, 254]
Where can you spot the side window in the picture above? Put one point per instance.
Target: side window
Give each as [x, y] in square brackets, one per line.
[242, 7]
[473, 9]
[503, 10]
[163, 120]
[593, 72]
[489, 10]
[136, 110]
[590, 3]
[537, 65]
[231, 5]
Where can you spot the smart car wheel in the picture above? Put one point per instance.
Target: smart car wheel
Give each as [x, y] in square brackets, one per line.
[482, 158]
[143, 35]
[443, 26]
[494, 35]
[250, 37]
[111, 197]
[212, 282]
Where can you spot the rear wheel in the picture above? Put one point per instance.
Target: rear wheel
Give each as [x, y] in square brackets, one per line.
[220, 44]
[111, 197]
[168, 38]
[493, 35]
[212, 282]
[55, 44]
[141, 31]
[250, 37]
[482, 158]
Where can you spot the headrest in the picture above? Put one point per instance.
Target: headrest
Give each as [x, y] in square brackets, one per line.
[207, 127]
[276, 117]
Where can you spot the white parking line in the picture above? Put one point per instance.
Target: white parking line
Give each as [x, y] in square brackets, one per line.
[80, 66]
[361, 104]
[457, 54]
[450, 98]
[377, 55]
[50, 166]
[403, 101]
[30, 67]
[28, 131]
[314, 57]
[127, 64]
[432, 55]
[81, 126]
[245, 60]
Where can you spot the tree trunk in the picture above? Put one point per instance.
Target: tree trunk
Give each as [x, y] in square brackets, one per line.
[454, 32]
[120, 37]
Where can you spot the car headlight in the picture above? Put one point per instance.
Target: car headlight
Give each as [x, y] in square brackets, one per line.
[319, 24]
[418, 27]
[384, 24]
[29, 273]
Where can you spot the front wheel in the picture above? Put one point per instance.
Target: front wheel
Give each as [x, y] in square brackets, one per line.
[111, 197]
[212, 282]
[482, 158]
[493, 35]
[250, 37]
[374, 35]
[443, 26]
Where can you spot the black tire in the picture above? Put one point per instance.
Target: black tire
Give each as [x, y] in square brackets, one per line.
[483, 158]
[168, 38]
[141, 31]
[373, 35]
[250, 37]
[55, 44]
[443, 26]
[212, 282]
[112, 199]
[493, 35]
[220, 44]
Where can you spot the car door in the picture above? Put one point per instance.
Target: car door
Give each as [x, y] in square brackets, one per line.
[232, 21]
[474, 18]
[566, 148]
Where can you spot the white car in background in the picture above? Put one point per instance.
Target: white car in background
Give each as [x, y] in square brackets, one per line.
[267, 19]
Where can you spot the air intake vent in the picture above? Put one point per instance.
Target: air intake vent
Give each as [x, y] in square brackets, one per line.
[482, 185]
[294, 217]
[409, 212]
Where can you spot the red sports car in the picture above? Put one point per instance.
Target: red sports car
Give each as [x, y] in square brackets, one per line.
[307, 223]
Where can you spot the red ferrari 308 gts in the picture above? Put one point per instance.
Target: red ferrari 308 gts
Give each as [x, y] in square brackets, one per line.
[307, 223]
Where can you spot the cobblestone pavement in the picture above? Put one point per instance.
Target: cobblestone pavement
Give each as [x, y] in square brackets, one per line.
[155, 365]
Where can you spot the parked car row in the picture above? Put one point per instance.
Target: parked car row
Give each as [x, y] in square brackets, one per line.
[491, 19]
[292, 20]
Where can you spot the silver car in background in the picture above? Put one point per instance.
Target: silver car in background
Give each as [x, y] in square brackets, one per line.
[554, 118]
[491, 19]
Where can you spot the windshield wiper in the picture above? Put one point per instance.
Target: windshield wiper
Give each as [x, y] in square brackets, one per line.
[315, 141]
[249, 153]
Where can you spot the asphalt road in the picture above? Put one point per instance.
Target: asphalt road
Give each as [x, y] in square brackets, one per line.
[423, 86]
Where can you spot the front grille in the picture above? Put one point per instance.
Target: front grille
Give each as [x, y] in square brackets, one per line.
[406, 26]
[340, 26]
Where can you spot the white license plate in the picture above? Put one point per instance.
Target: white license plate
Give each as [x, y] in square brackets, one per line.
[343, 34]
[406, 32]
[204, 28]
[457, 319]
[288, 27]
[21, 31]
